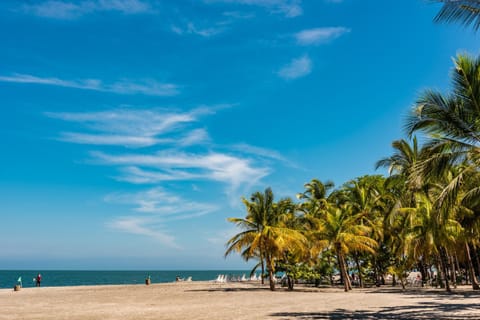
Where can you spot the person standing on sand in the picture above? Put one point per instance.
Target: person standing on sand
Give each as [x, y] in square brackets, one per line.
[38, 280]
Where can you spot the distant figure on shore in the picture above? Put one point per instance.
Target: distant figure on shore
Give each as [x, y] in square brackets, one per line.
[38, 280]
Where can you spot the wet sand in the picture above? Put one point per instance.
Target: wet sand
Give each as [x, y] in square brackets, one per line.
[209, 300]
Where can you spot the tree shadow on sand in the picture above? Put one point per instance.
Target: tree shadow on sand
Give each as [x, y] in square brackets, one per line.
[422, 310]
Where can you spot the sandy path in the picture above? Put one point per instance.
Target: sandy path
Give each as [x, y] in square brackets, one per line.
[206, 300]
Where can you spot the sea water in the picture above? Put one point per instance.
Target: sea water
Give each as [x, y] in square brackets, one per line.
[60, 278]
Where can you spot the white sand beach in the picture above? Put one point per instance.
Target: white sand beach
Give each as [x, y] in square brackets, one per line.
[209, 300]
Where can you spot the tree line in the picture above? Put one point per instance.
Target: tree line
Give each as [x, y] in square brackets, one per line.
[424, 215]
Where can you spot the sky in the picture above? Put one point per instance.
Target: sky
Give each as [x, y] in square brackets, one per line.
[132, 128]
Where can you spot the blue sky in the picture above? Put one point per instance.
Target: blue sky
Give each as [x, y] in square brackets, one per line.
[131, 128]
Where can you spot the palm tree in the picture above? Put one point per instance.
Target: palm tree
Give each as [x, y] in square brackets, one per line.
[451, 120]
[365, 197]
[264, 231]
[342, 232]
[401, 165]
[451, 123]
[466, 12]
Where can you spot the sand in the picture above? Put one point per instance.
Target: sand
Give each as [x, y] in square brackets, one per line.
[208, 300]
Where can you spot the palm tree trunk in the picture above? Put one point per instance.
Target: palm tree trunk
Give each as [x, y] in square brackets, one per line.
[331, 268]
[477, 260]
[343, 270]
[270, 277]
[263, 270]
[438, 266]
[421, 266]
[471, 270]
[262, 260]
[444, 266]
[360, 277]
[453, 273]
[340, 266]
[271, 272]
[457, 263]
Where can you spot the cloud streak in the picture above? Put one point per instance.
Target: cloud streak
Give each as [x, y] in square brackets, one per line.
[192, 29]
[155, 207]
[143, 226]
[319, 35]
[68, 10]
[146, 87]
[159, 203]
[289, 8]
[174, 165]
[297, 68]
[135, 128]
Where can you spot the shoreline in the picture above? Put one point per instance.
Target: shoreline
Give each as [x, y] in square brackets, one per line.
[234, 300]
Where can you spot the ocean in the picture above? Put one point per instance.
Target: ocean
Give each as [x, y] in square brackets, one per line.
[60, 278]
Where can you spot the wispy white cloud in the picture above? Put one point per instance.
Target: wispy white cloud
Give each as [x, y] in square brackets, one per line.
[176, 165]
[191, 28]
[319, 35]
[143, 226]
[263, 152]
[155, 207]
[67, 10]
[297, 68]
[146, 87]
[187, 152]
[160, 203]
[135, 128]
[112, 140]
[136, 175]
[289, 8]
[194, 137]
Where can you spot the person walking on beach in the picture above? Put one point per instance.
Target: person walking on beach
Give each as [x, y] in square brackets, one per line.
[38, 280]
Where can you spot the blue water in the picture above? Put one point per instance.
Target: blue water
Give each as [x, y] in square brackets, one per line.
[60, 278]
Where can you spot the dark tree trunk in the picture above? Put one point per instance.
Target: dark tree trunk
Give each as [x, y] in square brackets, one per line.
[471, 270]
[453, 272]
[438, 266]
[262, 261]
[331, 272]
[444, 264]
[421, 266]
[477, 260]
[290, 283]
[360, 276]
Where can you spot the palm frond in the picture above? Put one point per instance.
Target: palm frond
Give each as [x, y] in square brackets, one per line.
[465, 12]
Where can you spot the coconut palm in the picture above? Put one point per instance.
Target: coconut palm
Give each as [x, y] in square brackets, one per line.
[451, 123]
[401, 165]
[366, 198]
[451, 120]
[342, 232]
[264, 232]
[466, 12]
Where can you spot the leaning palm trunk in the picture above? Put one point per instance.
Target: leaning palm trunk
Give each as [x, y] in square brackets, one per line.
[471, 270]
[343, 269]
